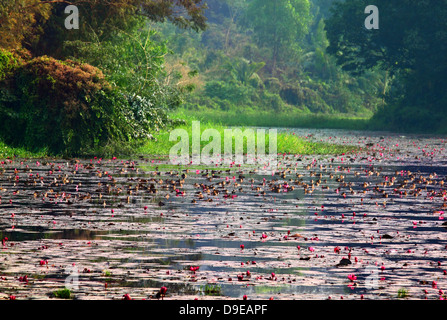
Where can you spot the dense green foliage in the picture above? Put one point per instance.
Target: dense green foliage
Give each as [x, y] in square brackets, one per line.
[8, 62]
[410, 45]
[69, 107]
[279, 25]
[133, 62]
[39, 25]
[61, 105]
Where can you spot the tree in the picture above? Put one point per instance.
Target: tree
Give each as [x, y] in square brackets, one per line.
[279, 25]
[242, 70]
[235, 8]
[411, 44]
[113, 36]
[23, 21]
[408, 31]
[183, 13]
[20, 22]
[319, 37]
[321, 8]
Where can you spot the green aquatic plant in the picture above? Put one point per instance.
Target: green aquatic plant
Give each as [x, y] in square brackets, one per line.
[402, 293]
[62, 293]
[211, 289]
[107, 273]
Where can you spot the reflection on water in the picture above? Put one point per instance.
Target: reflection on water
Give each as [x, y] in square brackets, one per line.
[26, 233]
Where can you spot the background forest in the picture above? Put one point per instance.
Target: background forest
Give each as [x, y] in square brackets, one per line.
[136, 68]
[270, 56]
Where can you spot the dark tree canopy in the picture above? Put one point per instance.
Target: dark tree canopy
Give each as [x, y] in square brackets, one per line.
[411, 42]
[183, 13]
[24, 21]
[408, 30]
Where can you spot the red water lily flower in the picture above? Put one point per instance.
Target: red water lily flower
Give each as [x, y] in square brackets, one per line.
[162, 293]
[352, 277]
[43, 262]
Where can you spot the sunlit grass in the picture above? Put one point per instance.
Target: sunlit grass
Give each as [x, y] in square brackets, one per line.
[62, 293]
[211, 290]
[402, 293]
[278, 119]
[286, 142]
[10, 152]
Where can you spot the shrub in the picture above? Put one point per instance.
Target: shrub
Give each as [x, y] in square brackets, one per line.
[273, 85]
[272, 101]
[231, 91]
[8, 62]
[256, 81]
[292, 95]
[315, 102]
[408, 118]
[67, 107]
[144, 117]
[62, 294]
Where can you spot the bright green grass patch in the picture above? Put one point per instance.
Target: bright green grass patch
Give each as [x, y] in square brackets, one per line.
[402, 293]
[10, 152]
[286, 143]
[280, 120]
[62, 293]
[211, 290]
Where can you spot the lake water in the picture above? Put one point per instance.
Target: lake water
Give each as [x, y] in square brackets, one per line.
[130, 226]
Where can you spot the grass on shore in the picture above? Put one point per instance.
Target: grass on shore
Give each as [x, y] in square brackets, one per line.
[286, 142]
[275, 119]
[11, 152]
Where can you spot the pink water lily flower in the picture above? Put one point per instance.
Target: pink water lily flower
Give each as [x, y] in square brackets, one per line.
[352, 277]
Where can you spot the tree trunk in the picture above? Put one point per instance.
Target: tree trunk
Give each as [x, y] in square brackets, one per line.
[274, 59]
[275, 41]
[385, 87]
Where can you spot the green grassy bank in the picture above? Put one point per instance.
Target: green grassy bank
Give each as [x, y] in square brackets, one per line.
[286, 142]
[273, 119]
